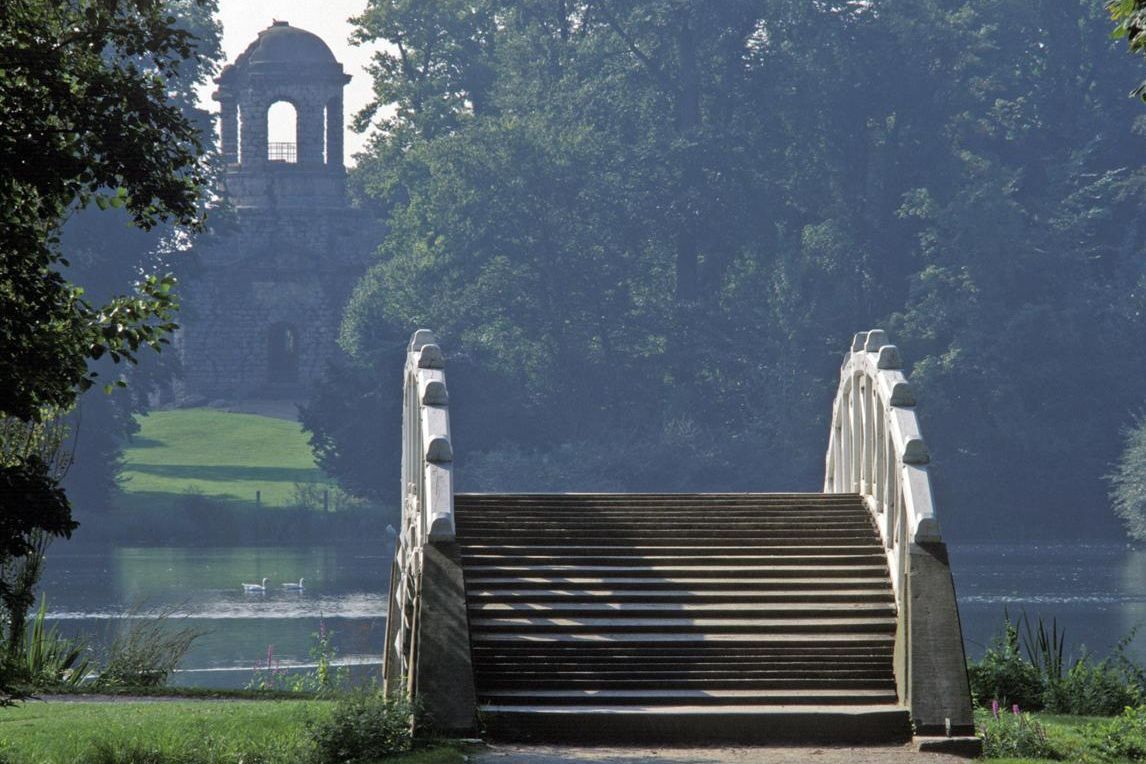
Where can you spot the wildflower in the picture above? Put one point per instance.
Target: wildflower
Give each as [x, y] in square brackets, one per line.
[995, 709]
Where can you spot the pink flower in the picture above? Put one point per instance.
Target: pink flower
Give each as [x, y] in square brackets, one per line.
[1015, 709]
[995, 709]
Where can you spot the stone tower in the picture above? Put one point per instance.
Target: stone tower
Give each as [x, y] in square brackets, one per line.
[261, 317]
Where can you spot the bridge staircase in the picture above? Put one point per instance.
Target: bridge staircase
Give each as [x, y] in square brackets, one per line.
[697, 617]
[624, 618]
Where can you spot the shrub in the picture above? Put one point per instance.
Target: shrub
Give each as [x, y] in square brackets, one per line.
[1003, 674]
[49, 659]
[146, 651]
[324, 680]
[1016, 736]
[1123, 738]
[1090, 688]
[362, 728]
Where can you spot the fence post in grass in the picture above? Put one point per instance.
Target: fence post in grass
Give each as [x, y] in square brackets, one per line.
[325, 499]
[258, 499]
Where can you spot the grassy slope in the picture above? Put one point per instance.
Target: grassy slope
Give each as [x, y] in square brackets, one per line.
[256, 731]
[222, 455]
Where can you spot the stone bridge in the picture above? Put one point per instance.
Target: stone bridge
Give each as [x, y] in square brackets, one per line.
[737, 617]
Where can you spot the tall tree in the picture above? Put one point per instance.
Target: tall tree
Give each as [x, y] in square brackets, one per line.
[86, 121]
[663, 223]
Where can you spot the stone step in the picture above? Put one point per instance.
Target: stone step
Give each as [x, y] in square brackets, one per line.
[795, 696]
[524, 670]
[684, 550]
[639, 595]
[744, 558]
[683, 581]
[667, 682]
[626, 658]
[609, 626]
[755, 542]
[712, 536]
[671, 571]
[747, 724]
[707, 609]
[691, 639]
[630, 499]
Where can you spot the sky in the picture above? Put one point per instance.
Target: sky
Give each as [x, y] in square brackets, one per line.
[243, 20]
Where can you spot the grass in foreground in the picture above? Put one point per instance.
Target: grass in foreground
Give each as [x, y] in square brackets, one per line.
[221, 455]
[175, 732]
[1082, 739]
[249, 731]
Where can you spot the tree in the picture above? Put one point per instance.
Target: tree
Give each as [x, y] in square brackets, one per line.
[86, 121]
[657, 232]
[1129, 17]
[106, 254]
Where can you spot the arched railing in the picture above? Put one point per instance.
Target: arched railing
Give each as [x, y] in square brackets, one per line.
[427, 595]
[876, 450]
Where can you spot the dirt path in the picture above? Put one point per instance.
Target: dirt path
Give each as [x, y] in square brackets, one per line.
[541, 754]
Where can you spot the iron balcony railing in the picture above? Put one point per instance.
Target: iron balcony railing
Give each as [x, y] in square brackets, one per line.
[282, 152]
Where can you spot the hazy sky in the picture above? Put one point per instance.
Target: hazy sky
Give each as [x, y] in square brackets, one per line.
[244, 19]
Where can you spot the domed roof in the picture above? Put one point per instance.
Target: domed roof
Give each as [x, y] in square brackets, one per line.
[282, 43]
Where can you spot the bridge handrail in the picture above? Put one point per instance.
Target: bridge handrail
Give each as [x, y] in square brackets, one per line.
[427, 500]
[427, 453]
[876, 449]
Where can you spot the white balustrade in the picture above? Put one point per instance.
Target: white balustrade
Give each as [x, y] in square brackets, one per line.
[428, 500]
[876, 449]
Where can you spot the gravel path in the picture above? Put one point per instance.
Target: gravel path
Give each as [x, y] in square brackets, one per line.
[541, 754]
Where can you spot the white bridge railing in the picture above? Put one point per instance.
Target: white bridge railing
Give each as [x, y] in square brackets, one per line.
[877, 451]
[427, 503]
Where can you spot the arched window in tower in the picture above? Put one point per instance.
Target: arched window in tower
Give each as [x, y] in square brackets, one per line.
[282, 132]
[282, 353]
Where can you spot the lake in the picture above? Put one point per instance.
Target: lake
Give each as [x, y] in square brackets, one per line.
[1097, 592]
[90, 591]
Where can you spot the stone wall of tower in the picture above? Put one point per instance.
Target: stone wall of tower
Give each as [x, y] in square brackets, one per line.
[270, 270]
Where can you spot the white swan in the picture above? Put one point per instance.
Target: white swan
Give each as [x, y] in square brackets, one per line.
[293, 587]
[256, 587]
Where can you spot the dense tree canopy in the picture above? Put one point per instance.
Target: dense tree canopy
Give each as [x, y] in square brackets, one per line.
[646, 229]
[86, 120]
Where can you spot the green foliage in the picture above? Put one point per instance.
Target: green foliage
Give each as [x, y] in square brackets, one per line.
[1004, 675]
[1124, 737]
[49, 658]
[180, 732]
[1041, 678]
[84, 89]
[1016, 736]
[1094, 688]
[363, 728]
[145, 650]
[1128, 481]
[658, 221]
[325, 679]
[1129, 17]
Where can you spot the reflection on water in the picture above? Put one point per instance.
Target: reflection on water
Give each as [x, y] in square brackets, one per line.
[91, 590]
[1097, 592]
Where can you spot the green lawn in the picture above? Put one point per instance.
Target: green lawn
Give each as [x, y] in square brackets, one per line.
[253, 732]
[221, 455]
